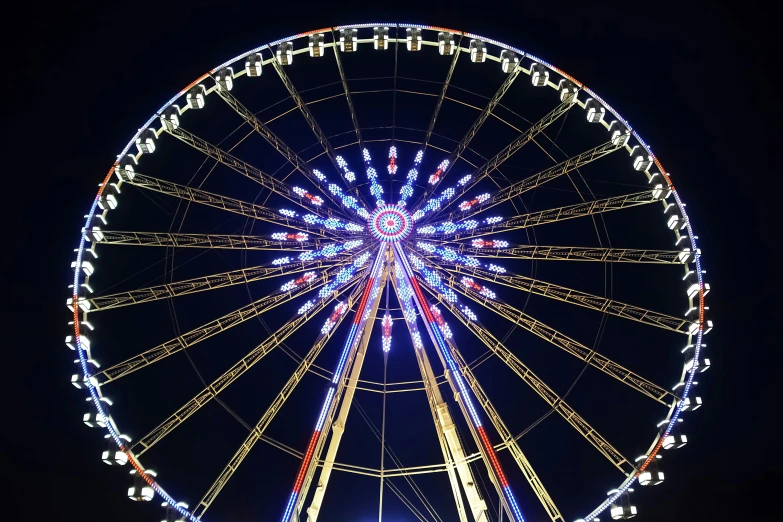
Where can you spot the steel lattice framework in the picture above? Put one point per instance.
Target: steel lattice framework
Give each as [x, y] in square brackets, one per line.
[342, 246]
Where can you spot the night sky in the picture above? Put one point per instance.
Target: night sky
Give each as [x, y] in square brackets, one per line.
[694, 80]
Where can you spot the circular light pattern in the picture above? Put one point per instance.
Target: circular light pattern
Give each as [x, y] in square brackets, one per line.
[390, 223]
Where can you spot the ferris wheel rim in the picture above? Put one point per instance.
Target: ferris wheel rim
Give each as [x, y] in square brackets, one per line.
[95, 392]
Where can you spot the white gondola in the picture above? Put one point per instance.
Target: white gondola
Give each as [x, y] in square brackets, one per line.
[641, 158]
[618, 133]
[93, 418]
[112, 455]
[595, 111]
[108, 199]
[539, 75]
[380, 38]
[691, 403]
[145, 143]
[253, 64]
[508, 61]
[315, 43]
[621, 508]
[196, 97]
[567, 88]
[478, 51]
[172, 512]
[661, 192]
[141, 491]
[651, 476]
[170, 117]
[348, 40]
[285, 53]
[413, 38]
[675, 439]
[225, 79]
[446, 45]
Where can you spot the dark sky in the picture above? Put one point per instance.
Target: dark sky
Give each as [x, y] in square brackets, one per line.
[695, 79]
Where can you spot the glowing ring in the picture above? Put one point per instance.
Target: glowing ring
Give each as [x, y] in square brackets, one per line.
[390, 223]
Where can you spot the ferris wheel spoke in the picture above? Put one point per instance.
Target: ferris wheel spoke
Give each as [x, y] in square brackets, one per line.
[313, 124]
[296, 195]
[575, 297]
[473, 228]
[565, 343]
[468, 137]
[242, 366]
[209, 282]
[347, 91]
[507, 439]
[536, 180]
[280, 146]
[288, 388]
[210, 329]
[235, 206]
[207, 241]
[442, 96]
[500, 249]
[539, 386]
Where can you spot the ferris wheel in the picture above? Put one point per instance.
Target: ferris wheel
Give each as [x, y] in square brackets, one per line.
[383, 191]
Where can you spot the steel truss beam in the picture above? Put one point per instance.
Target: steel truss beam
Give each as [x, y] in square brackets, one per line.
[280, 146]
[565, 253]
[234, 373]
[442, 96]
[531, 182]
[236, 206]
[565, 343]
[463, 144]
[209, 329]
[571, 296]
[249, 171]
[552, 215]
[209, 241]
[203, 283]
[539, 386]
[344, 396]
[450, 443]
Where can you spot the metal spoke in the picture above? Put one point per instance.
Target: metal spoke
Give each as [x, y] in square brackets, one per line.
[566, 253]
[203, 283]
[242, 366]
[209, 241]
[507, 439]
[347, 91]
[468, 137]
[207, 330]
[531, 182]
[553, 215]
[442, 96]
[571, 296]
[221, 202]
[565, 343]
[539, 386]
[251, 172]
[319, 134]
[287, 152]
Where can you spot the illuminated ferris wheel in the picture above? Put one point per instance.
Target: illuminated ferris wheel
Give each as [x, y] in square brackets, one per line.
[342, 214]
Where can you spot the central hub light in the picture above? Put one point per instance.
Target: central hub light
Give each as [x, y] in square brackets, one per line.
[390, 223]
